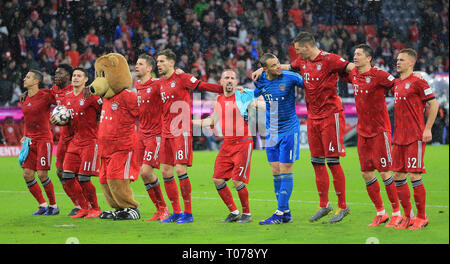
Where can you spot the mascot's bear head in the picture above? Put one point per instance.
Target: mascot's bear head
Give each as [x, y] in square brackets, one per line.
[112, 75]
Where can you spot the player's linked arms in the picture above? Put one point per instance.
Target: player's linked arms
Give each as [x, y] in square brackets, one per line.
[209, 121]
[258, 72]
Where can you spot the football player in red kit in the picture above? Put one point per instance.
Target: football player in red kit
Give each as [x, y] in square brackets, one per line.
[176, 134]
[234, 158]
[411, 94]
[374, 131]
[149, 132]
[82, 157]
[63, 86]
[36, 111]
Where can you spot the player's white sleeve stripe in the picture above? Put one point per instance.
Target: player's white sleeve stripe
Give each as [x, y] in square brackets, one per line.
[49, 153]
[94, 160]
[186, 144]
[249, 155]
[419, 154]
[336, 118]
[126, 173]
[158, 145]
[388, 147]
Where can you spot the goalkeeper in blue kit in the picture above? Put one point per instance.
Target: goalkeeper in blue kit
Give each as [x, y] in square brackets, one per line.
[282, 130]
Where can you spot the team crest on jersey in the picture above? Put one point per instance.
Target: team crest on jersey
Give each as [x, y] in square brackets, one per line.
[172, 84]
[114, 106]
[149, 90]
[81, 102]
[319, 67]
[367, 79]
[407, 85]
[282, 87]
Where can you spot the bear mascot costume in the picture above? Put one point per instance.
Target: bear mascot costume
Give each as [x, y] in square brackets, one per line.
[117, 135]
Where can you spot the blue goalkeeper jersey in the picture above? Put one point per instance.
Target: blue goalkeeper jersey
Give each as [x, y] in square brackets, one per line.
[279, 95]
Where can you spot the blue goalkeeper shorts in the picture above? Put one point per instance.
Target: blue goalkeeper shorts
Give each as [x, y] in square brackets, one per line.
[285, 149]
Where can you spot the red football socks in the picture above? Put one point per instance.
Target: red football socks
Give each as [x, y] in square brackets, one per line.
[36, 191]
[155, 194]
[373, 189]
[243, 196]
[172, 193]
[89, 192]
[322, 183]
[339, 184]
[70, 194]
[226, 196]
[49, 191]
[185, 186]
[404, 196]
[419, 198]
[391, 191]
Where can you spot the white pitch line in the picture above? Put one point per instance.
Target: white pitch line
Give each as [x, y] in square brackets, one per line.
[251, 199]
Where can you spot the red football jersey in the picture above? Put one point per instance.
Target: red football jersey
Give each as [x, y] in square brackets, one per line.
[150, 105]
[176, 104]
[410, 96]
[84, 113]
[232, 123]
[60, 94]
[117, 123]
[370, 99]
[320, 78]
[36, 112]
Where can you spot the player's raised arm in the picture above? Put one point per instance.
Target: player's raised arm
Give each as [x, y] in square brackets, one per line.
[258, 72]
[210, 87]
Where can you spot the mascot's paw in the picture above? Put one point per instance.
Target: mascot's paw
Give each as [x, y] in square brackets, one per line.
[127, 214]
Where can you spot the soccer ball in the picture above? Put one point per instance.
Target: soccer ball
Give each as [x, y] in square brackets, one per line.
[61, 115]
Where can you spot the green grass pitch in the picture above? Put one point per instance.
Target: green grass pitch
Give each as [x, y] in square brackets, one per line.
[18, 226]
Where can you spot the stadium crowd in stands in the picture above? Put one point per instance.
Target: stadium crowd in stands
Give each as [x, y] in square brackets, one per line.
[209, 36]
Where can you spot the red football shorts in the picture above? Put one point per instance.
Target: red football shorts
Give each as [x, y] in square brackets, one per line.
[375, 152]
[119, 165]
[84, 160]
[233, 160]
[409, 158]
[60, 153]
[39, 156]
[326, 136]
[148, 150]
[177, 150]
